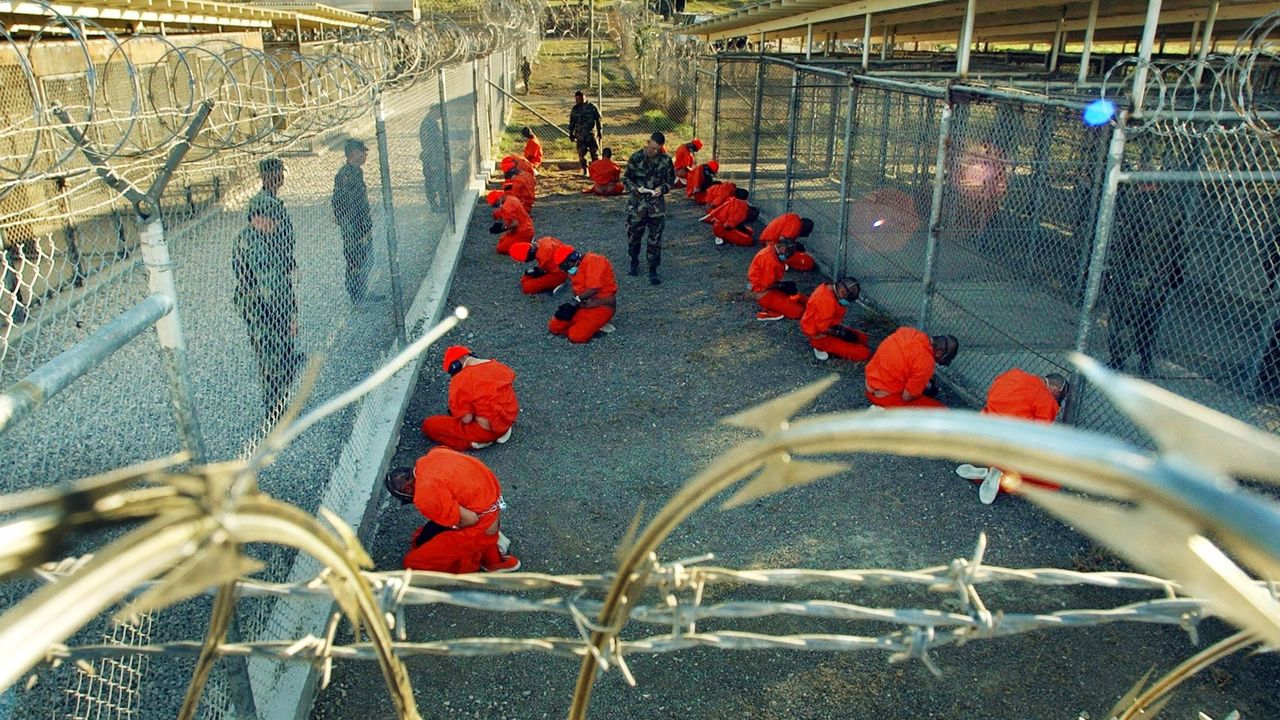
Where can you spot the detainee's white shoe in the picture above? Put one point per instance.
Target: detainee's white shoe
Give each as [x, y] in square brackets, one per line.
[821, 354]
[608, 328]
[990, 487]
[972, 472]
[718, 241]
[506, 435]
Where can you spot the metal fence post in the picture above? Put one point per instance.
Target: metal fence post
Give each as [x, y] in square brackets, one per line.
[885, 111]
[715, 113]
[755, 130]
[444, 139]
[389, 216]
[792, 128]
[831, 133]
[475, 106]
[1044, 143]
[1098, 258]
[173, 346]
[935, 216]
[842, 222]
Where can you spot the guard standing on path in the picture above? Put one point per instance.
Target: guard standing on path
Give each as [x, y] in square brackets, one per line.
[648, 177]
[585, 129]
[262, 261]
[350, 203]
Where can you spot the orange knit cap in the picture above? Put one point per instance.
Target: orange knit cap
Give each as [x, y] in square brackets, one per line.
[453, 353]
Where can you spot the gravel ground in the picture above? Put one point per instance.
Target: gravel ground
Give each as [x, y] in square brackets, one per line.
[620, 423]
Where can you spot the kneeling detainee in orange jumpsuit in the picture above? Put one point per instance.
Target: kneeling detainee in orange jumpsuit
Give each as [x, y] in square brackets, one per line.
[605, 175]
[822, 319]
[778, 298]
[700, 179]
[684, 160]
[900, 373]
[482, 402]
[462, 501]
[790, 226]
[594, 296]
[731, 220]
[1017, 393]
[717, 194]
[511, 220]
[544, 276]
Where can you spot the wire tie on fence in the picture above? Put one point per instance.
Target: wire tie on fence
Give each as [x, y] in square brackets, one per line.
[325, 650]
[615, 650]
[1190, 622]
[302, 643]
[584, 627]
[917, 647]
[700, 584]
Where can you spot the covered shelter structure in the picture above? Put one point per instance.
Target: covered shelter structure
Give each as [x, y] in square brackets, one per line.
[1068, 29]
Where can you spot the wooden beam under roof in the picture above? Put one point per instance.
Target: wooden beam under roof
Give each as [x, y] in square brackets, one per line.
[938, 20]
[1131, 21]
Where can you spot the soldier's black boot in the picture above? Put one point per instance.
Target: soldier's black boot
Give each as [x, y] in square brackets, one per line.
[635, 266]
[653, 275]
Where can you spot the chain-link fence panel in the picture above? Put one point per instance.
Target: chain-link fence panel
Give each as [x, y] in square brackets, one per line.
[1020, 195]
[892, 158]
[704, 103]
[817, 159]
[734, 122]
[771, 138]
[1194, 255]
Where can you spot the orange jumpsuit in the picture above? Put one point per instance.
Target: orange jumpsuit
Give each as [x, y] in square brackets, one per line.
[719, 193]
[604, 174]
[683, 161]
[520, 162]
[444, 481]
[594, 272]
[1017, 393]
[483, 390]
[696, 178]
[728, 222]
[512, 215]
[533, 153]
[788, 227]
[904, 361]
[553, 276]
[765, 270]
[823, 312]
[523, 187]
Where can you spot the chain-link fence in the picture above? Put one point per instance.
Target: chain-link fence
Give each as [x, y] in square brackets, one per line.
[298, 229]
[985, 214]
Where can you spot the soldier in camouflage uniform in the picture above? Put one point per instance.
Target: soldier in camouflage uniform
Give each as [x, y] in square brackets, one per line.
[263, 263]
[648, 177]
[585, 129]
[350, 204]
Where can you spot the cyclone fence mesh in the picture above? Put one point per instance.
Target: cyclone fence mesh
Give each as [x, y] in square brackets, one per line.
[983, 210]
[283, 196]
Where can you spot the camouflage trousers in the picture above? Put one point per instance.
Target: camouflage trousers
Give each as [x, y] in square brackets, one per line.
[638, 221]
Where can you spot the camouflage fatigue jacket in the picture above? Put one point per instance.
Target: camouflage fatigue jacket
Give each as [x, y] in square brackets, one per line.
[582, 120]
[655, 172]
[263, 265]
